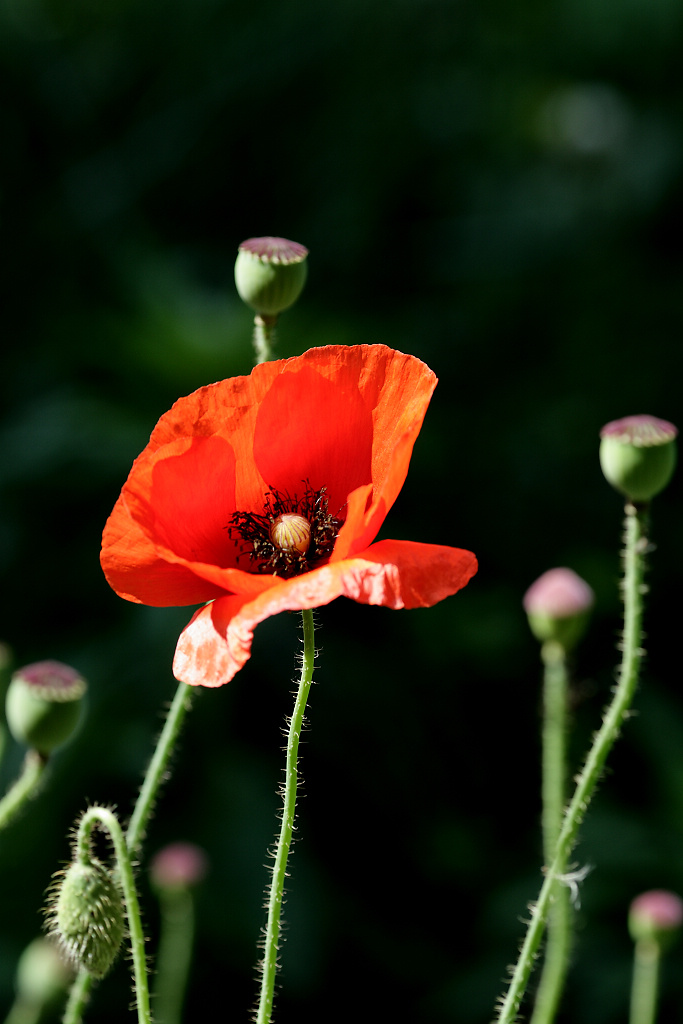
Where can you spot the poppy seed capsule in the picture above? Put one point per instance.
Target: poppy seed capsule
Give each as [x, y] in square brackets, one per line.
[270, 273]
[638, 455]
[291, 532]
[44, 703]
[88, 916]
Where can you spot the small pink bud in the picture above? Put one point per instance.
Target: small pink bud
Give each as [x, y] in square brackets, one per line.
[560, 593]
[179, 866]
[557, 606]
[656, 915]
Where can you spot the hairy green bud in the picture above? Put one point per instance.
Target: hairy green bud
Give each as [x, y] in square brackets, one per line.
[87, 916]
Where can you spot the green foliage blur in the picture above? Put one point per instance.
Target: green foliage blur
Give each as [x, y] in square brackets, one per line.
[494, 187]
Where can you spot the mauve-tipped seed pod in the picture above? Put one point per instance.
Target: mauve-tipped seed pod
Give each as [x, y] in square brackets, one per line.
[88, 916]
[656, 915]
[270, 273]
[638, 455]
[557, 606]
[44, 703]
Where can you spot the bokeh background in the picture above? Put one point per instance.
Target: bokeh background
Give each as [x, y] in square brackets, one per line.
[494, 187]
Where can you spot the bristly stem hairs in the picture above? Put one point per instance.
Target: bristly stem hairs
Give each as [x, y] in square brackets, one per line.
[155, 775]
[268, 965]
[635, 546]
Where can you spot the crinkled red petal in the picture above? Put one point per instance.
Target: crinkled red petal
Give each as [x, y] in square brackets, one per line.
[216, 643]
[340, 417]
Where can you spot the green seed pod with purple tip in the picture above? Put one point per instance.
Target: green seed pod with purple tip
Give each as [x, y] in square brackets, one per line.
[270, 274]
[44, 704]
[638, 455]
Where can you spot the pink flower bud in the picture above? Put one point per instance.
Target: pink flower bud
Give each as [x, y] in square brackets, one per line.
[557, 606]
[657, 915]
[179, 866]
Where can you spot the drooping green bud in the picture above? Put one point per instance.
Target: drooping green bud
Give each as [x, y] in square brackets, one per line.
[656, 916]
[87, 916]
[270, 274]
[44, 703]
[638, 455]
[558, 605]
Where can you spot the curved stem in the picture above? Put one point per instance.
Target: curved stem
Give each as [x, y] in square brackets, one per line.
[558, 944]
[155, 775]
[275, 899]
[25, 787]
[645, 983]
[158, 766]
[634, 550]
[78, 997]
[110, 822]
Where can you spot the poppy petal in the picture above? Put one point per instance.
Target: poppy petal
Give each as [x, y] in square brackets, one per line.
[216, 643]
[342, 417]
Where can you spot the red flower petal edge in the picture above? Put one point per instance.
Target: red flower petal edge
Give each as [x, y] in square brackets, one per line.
[338, 422]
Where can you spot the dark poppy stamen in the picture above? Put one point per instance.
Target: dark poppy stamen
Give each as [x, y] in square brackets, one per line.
[293, 535]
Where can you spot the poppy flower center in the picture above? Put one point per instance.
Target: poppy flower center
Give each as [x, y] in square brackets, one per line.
[291, 532]
[293, 536]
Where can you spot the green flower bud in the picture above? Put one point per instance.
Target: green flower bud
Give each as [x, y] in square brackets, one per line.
[557, 607]
[43, 704]
[42, 974]
[270, 274]
[87, 916]
[656, 916]
[638, 455]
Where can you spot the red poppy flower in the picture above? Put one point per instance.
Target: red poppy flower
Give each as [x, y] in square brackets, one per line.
[264, 494]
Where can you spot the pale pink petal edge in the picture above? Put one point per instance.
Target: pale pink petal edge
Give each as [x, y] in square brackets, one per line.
[217, 641]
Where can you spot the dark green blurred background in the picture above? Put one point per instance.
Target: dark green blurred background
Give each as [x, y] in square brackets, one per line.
[495, 187]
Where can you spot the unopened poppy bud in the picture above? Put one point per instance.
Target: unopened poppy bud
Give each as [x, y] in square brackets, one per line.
[557, 607]
[656, 915]
[42, 974]
[270, 273]
[88, 916]
[291, 532]
[638, 455]
[43, 704]
[178, 866]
